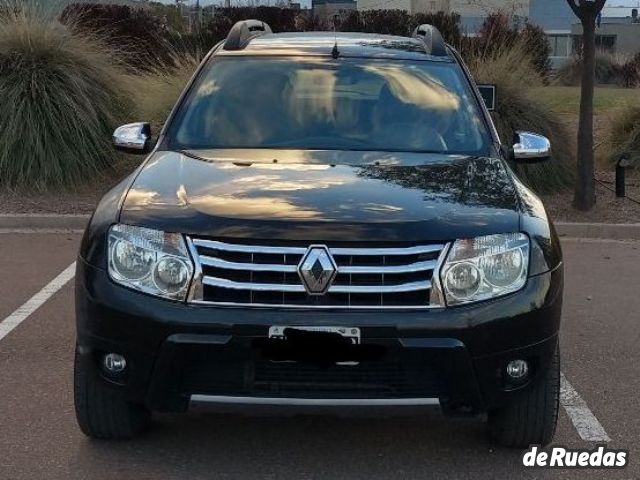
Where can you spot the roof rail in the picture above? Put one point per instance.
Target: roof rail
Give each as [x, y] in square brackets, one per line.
[243, 31]
[432, 39]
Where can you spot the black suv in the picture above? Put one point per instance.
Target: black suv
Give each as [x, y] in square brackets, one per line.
[325, 219]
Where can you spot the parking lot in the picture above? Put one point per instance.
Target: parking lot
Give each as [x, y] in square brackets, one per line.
[39, 437]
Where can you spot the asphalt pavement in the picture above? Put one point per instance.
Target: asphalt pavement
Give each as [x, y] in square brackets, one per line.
[39, 438]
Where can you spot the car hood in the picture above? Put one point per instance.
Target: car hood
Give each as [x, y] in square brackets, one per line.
[323, 196]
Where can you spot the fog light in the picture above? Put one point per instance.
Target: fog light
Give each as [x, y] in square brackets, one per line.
[114, 363]
[517, 369]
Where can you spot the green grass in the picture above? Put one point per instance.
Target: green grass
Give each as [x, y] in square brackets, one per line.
[566, 100]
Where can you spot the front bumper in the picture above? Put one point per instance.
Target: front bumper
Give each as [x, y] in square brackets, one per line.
[456, 355]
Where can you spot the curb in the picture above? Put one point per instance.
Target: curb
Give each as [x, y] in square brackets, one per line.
[612, 231]
[44, 221]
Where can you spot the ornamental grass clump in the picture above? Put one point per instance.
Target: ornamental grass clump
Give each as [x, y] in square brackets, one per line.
[609, 70]
[515, 76]
[156, 92]
[624, 138]
[61, 97]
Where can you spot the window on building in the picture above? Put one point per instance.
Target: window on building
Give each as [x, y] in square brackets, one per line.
[605, 43]
[559, 45]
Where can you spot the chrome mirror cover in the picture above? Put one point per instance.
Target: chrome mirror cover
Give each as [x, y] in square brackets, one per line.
[133, 137]
[531, 147]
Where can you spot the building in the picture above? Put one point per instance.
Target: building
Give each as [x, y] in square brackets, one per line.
[556, 18]
[617, 35]
[619, 12]
[618, 32]
[411, 6]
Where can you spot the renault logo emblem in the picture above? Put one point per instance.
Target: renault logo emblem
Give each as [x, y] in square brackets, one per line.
[317, 270]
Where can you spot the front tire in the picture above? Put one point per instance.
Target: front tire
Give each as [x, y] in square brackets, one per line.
[531, 417]
[101, 410]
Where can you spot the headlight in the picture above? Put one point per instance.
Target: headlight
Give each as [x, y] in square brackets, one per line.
[151, 261]
[485, 267]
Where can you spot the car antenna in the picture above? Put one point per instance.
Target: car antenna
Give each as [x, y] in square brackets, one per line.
[335, 53]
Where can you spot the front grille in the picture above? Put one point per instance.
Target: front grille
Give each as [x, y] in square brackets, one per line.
[260, 275]
[263, 378]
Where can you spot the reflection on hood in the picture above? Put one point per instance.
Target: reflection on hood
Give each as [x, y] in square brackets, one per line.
[400, 197]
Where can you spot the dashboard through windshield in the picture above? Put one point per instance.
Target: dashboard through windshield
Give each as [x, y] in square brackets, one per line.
[324, 104]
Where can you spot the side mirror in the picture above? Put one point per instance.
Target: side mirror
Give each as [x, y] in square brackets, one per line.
[133, 138]
[531, 148]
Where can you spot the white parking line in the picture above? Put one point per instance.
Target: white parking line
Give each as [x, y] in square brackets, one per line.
[583, 419]
[35, 302]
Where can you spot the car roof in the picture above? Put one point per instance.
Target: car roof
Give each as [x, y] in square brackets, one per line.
[358, 45]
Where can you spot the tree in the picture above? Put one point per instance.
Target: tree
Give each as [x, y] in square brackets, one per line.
[587, 11]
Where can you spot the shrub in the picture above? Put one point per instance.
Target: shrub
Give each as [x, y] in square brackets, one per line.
[514, 74]
[630, 72]
[497, 33]
[397, 22]
[155, 93]
[608, 71]
[171, 15]
[386, 22]
[137, 34]
[390, 22]
[60, 102]
[537, 45]
[186, 45]
[6, 10]
[346, 21]
[625, 133]
[279, 19]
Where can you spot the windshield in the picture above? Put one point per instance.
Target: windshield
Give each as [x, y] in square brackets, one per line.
[323, 104]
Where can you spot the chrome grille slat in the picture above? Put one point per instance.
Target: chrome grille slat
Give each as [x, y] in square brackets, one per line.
[389, 269]
[256, 267]
[381, 252]
[263, 275]
[404, 287]
[261, 287]
[231, 247]
[277, 287]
